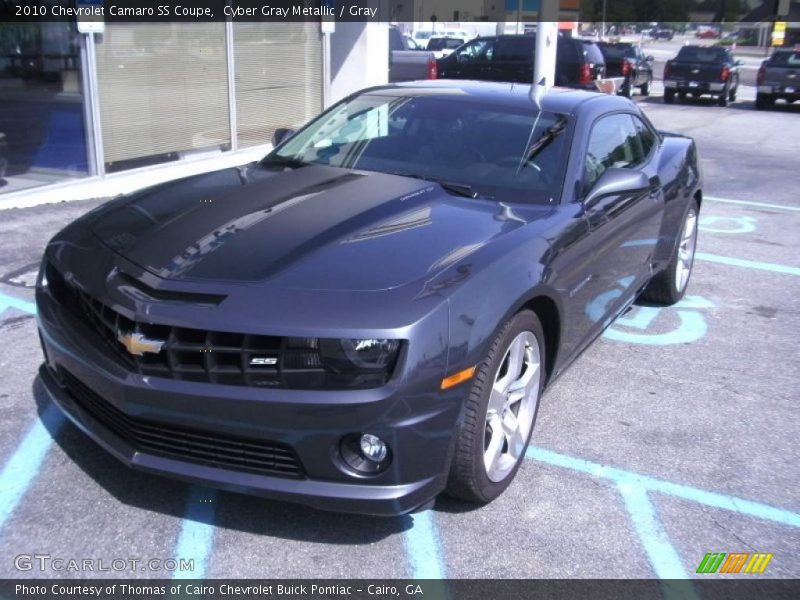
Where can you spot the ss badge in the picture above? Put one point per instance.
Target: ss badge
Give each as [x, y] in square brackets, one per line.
[263, 361]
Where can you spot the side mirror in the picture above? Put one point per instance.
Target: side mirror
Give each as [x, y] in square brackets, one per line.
[281, 135]
[649, 58]
[616, 181]
[738, 63]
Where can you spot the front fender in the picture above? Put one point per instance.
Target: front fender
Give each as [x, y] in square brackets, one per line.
[495, 288]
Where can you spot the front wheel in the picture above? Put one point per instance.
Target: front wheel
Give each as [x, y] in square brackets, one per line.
[669, 286]
[500, 412]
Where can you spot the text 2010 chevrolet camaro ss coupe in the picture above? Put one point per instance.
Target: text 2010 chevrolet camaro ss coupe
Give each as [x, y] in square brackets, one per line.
[368, 316]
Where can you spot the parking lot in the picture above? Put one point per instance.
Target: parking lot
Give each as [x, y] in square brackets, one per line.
[673, 436]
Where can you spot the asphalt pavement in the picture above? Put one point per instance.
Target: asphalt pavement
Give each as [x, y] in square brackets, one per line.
[674, 435]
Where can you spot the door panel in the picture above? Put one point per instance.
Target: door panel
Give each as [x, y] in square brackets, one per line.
[623, 229]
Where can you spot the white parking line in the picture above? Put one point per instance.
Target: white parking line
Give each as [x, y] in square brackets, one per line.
[750, 203]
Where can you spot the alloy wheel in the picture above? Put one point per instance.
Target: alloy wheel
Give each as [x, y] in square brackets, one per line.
[683, 266]
[512, 406]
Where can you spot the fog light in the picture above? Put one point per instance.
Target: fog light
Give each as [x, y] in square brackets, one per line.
[364, 453]
[373, 448]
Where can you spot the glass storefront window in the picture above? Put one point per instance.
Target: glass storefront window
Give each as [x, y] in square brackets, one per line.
[163, 91]
[42, 123]
[278, 69]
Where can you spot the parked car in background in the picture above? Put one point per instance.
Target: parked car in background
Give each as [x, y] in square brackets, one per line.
[444, 46]
[369, 315]
[702, 70]
[407, 64]
[779, 78]
[423, 36]
[662, 33]
[579, 63]
[707, 33]
[628, 61]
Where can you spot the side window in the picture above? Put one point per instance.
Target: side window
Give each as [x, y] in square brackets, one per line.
[515, 49]
[647, 137]
[476, 50]
[614, 142]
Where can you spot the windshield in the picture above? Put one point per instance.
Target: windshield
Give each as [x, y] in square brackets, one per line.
[701, 54]
[485, 147]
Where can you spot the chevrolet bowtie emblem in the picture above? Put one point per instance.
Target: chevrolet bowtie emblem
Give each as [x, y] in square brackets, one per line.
[137, 344]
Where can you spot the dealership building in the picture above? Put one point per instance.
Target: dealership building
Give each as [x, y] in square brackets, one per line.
[94, 114]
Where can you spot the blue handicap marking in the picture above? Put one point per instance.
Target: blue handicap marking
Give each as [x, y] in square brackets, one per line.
[692, 324]
[8, 302]
[727, 224]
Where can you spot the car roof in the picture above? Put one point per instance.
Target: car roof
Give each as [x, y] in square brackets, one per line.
[557, 99]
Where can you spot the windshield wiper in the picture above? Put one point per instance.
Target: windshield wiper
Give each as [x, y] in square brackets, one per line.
[282, 161]
[544, 140]
[459, 189]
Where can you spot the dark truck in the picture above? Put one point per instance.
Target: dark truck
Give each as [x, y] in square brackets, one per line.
[579, 63]
[779, 78]
[629, 62]
[699, 70]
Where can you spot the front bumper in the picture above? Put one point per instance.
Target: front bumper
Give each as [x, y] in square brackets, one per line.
[416, 420]
[694, 87]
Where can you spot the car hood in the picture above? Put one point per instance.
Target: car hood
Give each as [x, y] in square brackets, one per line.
[315, 227]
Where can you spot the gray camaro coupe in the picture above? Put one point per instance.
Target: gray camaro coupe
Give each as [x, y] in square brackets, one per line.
[368, 316]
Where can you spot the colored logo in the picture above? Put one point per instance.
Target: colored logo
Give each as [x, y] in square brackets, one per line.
[720, 562]
[137, 344]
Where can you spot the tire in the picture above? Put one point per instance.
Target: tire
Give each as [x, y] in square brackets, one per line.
[733, 94]
[723, 99]
[627, 90]
[669, 96]
[764, 101]
[682, 96]
[645, 88]
[471, 478]
[670, 285]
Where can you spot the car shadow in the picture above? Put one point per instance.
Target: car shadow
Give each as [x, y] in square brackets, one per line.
[239, 512]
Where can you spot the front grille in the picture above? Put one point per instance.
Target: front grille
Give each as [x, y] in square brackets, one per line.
[191, 445]
[209, 356]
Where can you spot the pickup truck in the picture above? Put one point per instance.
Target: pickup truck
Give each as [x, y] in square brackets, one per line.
[699, 70]
[406, 64]
[779, 78]
[628, 61]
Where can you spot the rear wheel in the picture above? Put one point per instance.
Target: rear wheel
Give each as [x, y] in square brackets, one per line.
[627, 90]
[669, 286]
[645, 88]
[682, 96]
[733, 94]
[723, 99]
[669, 96]
[500, 412]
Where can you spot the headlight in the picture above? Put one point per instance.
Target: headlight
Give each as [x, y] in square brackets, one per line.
[359, 355]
